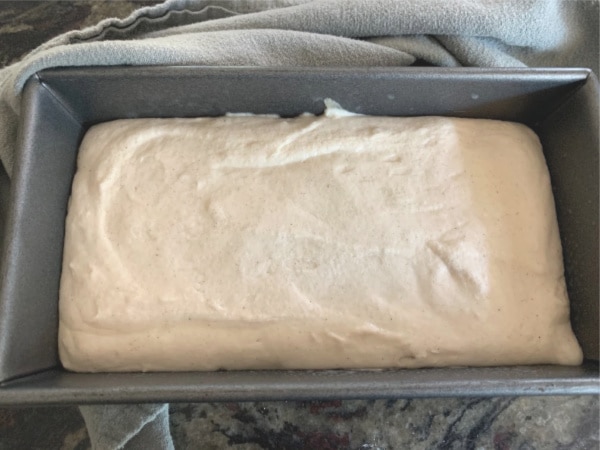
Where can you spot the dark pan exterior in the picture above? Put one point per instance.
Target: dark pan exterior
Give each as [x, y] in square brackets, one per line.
[561, 105]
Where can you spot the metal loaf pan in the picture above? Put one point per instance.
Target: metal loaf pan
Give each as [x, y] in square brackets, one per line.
[59, 105]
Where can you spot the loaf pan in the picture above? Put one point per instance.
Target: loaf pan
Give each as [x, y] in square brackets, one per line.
[58, 106]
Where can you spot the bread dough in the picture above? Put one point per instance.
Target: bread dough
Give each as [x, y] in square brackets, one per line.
[313, 242]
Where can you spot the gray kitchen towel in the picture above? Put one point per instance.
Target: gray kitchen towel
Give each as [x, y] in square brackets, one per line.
[489, 33]
[128, 427]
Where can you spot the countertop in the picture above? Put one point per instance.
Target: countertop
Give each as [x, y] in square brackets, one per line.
[549, 422]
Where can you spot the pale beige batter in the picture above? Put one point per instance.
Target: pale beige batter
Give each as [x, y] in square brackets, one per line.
[314, 242]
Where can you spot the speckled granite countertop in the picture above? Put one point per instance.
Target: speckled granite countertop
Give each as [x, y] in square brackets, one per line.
[570, 422]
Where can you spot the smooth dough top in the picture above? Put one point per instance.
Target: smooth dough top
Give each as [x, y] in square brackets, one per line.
[312, 242]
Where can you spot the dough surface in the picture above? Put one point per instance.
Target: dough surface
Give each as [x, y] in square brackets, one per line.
[313, 242]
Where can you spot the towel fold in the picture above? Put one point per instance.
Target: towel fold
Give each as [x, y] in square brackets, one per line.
[129, 427]
[488, 33]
